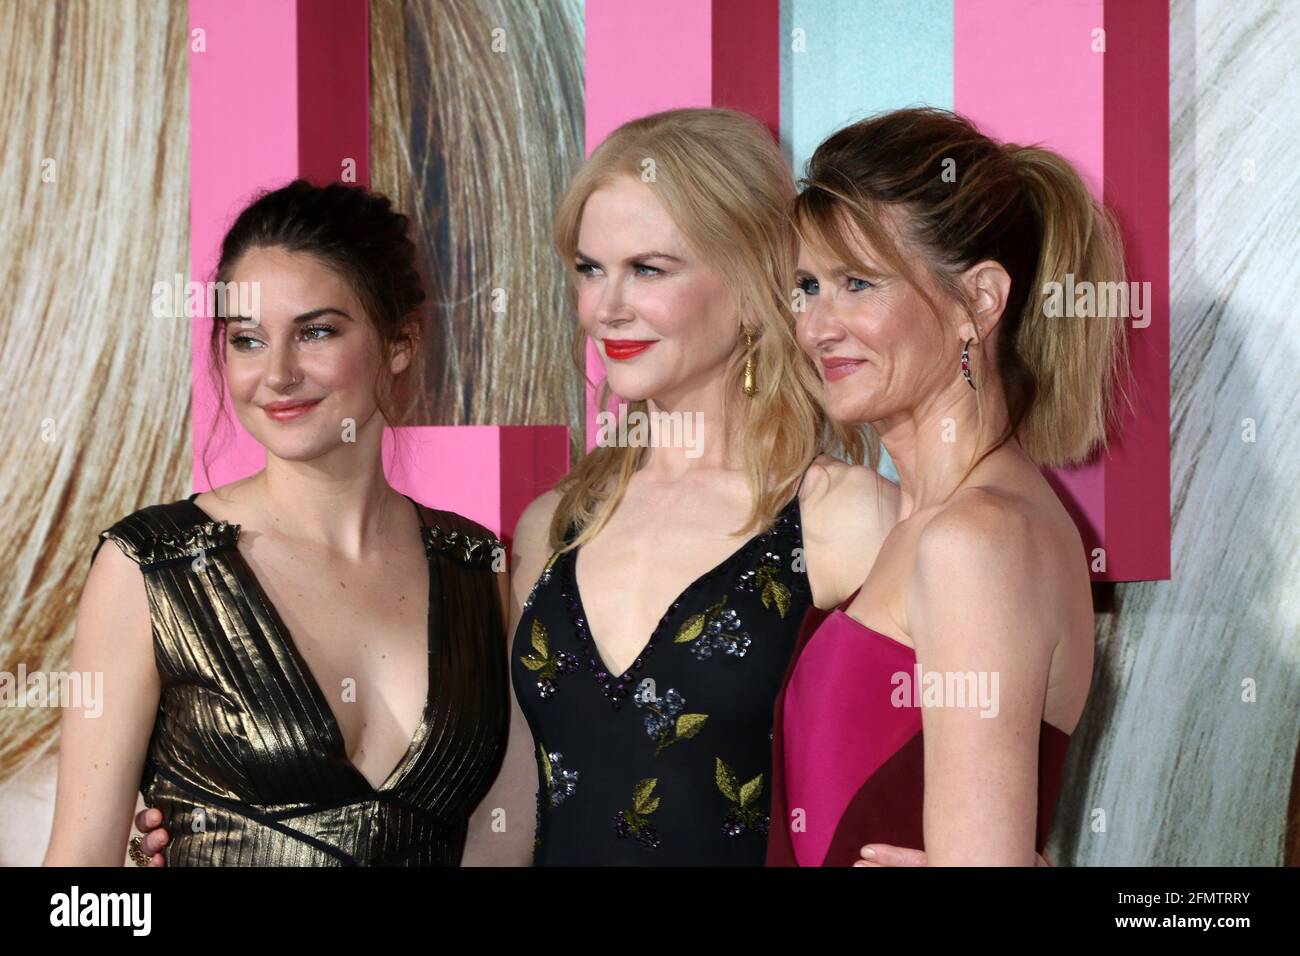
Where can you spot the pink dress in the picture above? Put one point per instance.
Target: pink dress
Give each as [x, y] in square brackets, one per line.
[852, 761]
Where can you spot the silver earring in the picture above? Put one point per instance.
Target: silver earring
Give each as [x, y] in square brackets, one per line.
[965, 363]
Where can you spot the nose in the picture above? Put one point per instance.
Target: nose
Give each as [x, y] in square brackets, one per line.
[818, 328]
[282, 371]
[612, 308]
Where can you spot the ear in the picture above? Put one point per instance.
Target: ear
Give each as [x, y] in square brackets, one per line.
[402, 352]
[987, 287]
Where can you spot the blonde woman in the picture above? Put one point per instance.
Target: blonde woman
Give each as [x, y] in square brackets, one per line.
[304, 667]
[659, 589]
[928, 318]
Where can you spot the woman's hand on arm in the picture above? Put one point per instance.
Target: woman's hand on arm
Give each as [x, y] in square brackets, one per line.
[503, 827]
[976, 606]
[102, 749]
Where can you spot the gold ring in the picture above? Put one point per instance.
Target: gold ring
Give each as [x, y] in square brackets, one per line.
[138, 854]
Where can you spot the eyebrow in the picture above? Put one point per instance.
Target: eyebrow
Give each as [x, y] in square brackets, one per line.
[298, 319]
[839, 272]
[637, 258]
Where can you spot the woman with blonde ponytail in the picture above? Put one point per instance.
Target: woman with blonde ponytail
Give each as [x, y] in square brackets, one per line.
[659, 589]
[933, 709]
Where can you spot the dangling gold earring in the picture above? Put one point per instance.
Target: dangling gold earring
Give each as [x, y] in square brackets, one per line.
[750, 387]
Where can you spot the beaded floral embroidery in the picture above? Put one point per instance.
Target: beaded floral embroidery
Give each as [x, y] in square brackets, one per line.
[763, 579]
[545, 664]
[636, 822]
[560, 783]
[745, 815]
[664, 720]
[718, 629]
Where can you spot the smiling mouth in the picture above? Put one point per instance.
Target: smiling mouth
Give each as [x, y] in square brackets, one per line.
[289, 411]
[838, 368]
[622, 349]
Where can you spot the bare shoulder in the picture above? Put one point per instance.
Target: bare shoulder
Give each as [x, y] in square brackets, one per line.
[833, 484]
[981, 531]
[532, 530]
[113, 575]
[531, 544]
[113, 613]
[1022, 548]
[846, 512]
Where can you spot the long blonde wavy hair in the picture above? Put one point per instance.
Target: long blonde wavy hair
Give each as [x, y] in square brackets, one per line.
[720, 176]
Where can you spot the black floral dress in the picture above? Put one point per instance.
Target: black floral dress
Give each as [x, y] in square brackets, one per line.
[668, 763]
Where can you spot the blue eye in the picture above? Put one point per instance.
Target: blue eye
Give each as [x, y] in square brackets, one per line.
[856, 288]
[648, 270]
[809, 285]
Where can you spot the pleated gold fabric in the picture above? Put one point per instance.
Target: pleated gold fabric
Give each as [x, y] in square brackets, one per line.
[247, 762]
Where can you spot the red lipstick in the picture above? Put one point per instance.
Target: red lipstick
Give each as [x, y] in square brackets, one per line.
[621, 350]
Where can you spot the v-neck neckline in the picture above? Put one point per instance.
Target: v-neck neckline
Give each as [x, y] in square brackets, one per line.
[590, 642]
[333, 728]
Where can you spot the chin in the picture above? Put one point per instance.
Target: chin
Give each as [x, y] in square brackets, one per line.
[304, 449]
[850, 410]
[630, 387]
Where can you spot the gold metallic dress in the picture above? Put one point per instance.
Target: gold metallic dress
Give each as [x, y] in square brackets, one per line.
[247, 762]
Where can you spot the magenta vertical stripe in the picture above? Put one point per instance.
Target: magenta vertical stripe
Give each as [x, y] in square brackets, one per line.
[747, 59]
[333, 90]
[1137, 188]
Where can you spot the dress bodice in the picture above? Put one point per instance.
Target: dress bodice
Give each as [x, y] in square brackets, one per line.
[246, 759]
[669, 762]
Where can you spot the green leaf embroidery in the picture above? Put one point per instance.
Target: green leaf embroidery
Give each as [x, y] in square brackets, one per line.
[751, 790]
[539, 639]
[690, 630]
[546, 765]
[641, 802]
[778, 592]
[726, 779]
[541, 659]
[694, 625]
[688, 725]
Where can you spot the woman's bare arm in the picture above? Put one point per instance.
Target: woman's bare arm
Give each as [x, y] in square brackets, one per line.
[979, 603]
[502, 828]
[101, 757]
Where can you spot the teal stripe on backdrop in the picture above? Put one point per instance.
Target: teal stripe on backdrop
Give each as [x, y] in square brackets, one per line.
[842, 60]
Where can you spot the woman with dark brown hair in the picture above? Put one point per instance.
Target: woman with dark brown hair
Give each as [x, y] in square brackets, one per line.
[303, 667]
[929, 259]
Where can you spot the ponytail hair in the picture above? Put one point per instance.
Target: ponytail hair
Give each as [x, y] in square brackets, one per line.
[1079, 360]
[962, 198]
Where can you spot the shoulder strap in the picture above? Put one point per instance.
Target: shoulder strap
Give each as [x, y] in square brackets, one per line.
[160, 535]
